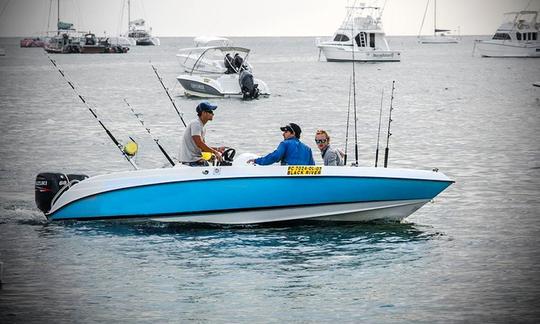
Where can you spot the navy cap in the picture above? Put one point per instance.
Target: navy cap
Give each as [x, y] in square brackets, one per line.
[293, 128]
[205, 106]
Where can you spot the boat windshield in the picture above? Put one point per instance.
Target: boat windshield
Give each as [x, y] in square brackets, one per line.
[209, 60]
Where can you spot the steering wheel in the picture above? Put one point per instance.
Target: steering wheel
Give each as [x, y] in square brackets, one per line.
[228, 154]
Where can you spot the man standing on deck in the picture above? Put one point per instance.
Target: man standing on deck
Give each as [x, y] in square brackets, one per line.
[290, 151]
[192, 144]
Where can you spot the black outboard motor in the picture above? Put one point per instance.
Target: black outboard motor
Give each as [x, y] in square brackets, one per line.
[249, 89]
[49, 184]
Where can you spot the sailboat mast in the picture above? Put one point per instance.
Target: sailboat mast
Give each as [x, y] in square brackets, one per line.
[58, 19]
[434, 17]
[129, 14]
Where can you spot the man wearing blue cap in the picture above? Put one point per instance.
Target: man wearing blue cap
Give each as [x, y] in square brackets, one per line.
[290, 151]
[192, 144]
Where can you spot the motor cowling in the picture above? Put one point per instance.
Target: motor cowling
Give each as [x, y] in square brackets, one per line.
[49, 184]
[250, 90]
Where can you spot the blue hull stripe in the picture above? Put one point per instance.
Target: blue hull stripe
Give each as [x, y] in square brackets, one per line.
[189, 197]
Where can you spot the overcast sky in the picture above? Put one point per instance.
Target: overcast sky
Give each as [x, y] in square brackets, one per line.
[249, 18]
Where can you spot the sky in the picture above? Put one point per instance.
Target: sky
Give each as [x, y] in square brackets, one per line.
[250, 18]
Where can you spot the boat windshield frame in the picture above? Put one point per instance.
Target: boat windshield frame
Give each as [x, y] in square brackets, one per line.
[204, 50]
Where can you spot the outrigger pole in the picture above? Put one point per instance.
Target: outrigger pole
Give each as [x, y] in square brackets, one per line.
[388, 134]
[379, 131]
[168, 95]
[149, 133]
[111, 136]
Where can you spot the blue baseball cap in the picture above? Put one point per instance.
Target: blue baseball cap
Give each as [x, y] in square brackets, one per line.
[205, 106]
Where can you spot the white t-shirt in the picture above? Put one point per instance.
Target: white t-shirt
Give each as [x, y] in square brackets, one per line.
[189, 151]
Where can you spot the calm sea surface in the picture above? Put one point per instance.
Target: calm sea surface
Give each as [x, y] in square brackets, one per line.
[470, 256]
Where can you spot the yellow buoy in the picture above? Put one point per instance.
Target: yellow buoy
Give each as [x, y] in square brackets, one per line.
[131, 148]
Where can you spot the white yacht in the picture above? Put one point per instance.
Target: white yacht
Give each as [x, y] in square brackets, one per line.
[218, 70]
[440, 36]
[360, 38]
[138, 33]
[516, 37]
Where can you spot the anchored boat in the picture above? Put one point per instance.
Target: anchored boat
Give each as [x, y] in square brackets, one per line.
[440, 36]
[240, 194]
[359, 38]
[516, 37]
[219, 71]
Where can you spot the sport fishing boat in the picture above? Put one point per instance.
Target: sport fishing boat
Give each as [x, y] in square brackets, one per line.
[240, 194]
[359, 38]
[517, 36]
[440, 36]
[219, 71]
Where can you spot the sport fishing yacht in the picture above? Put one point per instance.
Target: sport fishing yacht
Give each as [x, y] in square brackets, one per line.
[359, 38]
[440, 36]
[218, 71]
[517, 36]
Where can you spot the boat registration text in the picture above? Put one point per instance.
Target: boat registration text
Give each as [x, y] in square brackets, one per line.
[303, 170]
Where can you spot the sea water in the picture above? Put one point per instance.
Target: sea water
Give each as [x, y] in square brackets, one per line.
[470, 255]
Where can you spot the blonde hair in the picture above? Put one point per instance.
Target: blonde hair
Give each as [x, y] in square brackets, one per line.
[322, 132]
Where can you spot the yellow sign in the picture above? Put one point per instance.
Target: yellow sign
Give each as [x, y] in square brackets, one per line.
[303, 170]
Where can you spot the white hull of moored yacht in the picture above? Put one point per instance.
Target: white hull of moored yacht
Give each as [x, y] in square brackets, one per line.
[438, 40]
[343, 53]
[498, 48]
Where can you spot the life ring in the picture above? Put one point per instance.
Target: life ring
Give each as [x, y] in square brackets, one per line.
[520, 25]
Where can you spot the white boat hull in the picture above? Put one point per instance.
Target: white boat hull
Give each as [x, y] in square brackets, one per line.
[355, 212]
[438, 40]
[211, 87]
[341, 53]
[495, 48]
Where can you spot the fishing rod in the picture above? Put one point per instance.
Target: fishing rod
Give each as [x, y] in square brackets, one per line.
[149, 133]
[347, 129]
[388, 134]
[168, 95]
[354, 99]
[379, 131]
[122, 149]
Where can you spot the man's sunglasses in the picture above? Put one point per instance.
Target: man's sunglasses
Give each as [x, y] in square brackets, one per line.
[320, 141]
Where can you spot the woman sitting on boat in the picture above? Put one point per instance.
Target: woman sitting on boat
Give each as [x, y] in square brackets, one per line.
[290, 151]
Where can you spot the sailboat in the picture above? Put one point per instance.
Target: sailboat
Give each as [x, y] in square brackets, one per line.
[440, 36]
[138, 33]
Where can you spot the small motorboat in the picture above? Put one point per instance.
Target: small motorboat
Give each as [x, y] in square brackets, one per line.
[2, 52]
[360, 38]
[240, 194]
[219, 71]
[517, 36]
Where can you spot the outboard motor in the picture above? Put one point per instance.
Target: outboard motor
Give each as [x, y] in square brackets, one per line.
[49, 184]
[249, 89]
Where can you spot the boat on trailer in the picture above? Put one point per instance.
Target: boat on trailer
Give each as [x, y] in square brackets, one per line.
[240, 194]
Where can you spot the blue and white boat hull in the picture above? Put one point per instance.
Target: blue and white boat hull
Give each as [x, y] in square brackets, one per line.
[250, 195]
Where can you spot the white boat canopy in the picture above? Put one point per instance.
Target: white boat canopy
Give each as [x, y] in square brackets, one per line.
[209, 59]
